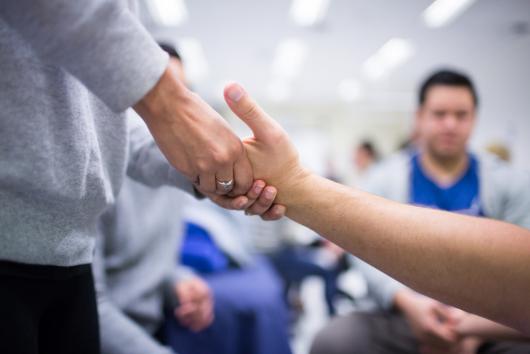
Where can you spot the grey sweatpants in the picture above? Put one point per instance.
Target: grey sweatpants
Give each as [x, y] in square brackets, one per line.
[385, 333]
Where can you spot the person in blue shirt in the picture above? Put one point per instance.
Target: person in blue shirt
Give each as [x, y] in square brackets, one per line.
[440, 173]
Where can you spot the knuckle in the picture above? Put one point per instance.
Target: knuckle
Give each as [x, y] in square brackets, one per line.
[264, 203]
[226, 155]
[222, 158]
[250, 111]
[236, 149]
[203, 165]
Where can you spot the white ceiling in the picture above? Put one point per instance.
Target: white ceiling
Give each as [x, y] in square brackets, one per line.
[239, 38]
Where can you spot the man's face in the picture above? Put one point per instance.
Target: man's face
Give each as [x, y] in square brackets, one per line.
[362, 159]
[446, 120]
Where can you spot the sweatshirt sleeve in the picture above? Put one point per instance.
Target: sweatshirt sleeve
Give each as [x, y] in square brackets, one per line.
[100, 42]
[380, 286]
[119, 334]
[517, 200]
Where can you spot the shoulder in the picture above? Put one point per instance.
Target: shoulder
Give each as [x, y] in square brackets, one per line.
[387, 173]
[499, 177]
[500, 172]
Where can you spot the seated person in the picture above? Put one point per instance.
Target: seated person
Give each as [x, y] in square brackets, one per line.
[134, 273]
[441, 174]
[250, 313]
[134, 270]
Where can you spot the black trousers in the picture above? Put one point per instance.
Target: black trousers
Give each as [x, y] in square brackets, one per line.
[47, 310]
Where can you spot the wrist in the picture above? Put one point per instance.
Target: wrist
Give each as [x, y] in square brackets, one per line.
[292, 190]
[168, 92]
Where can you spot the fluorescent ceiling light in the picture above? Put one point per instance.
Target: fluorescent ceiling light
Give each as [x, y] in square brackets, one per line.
[168, 12]
[193, 58]
[279, 90]
[442, 12]
[290, 54]
[308, 12]
[392, 54]
[349, 90]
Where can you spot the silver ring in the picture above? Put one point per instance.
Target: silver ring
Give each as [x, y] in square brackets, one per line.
[226, 185]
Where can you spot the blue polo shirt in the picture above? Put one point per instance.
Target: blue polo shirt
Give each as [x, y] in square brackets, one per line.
[462, 196]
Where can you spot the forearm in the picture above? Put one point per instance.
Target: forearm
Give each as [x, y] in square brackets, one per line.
[433, 252]
[121, 335]
[146, 163]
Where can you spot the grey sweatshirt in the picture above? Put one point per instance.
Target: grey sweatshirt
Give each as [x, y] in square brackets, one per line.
[69, 69]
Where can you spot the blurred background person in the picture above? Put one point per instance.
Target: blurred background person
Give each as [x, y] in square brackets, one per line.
[134, 267]
[135, 274]
[445, 175]
[364, 157]
[250, 312]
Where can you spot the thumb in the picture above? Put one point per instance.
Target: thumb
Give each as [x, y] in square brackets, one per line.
[250, 113]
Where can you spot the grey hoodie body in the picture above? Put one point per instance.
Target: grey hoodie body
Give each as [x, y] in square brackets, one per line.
[69, 70]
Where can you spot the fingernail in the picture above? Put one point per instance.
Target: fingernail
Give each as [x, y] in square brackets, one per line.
[258, 188]
[269, 193]
[235, 92]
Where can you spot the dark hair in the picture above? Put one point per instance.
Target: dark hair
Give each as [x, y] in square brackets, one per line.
[171, 50]
[447, 78]
[369, 147]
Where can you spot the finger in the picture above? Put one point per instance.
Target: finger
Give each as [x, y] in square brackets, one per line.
[443, 336]
[186, 310]
[204, 320]
[275, 213]
[196, 319]
[183, 292]
[245, 108]
[237, 203]
[226, 175]
[264, 202]
[255, 191]
[443, 313]
[243, 176]
[207, 183]
[205, 293]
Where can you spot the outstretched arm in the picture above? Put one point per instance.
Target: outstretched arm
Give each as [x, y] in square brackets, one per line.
[479, 265]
